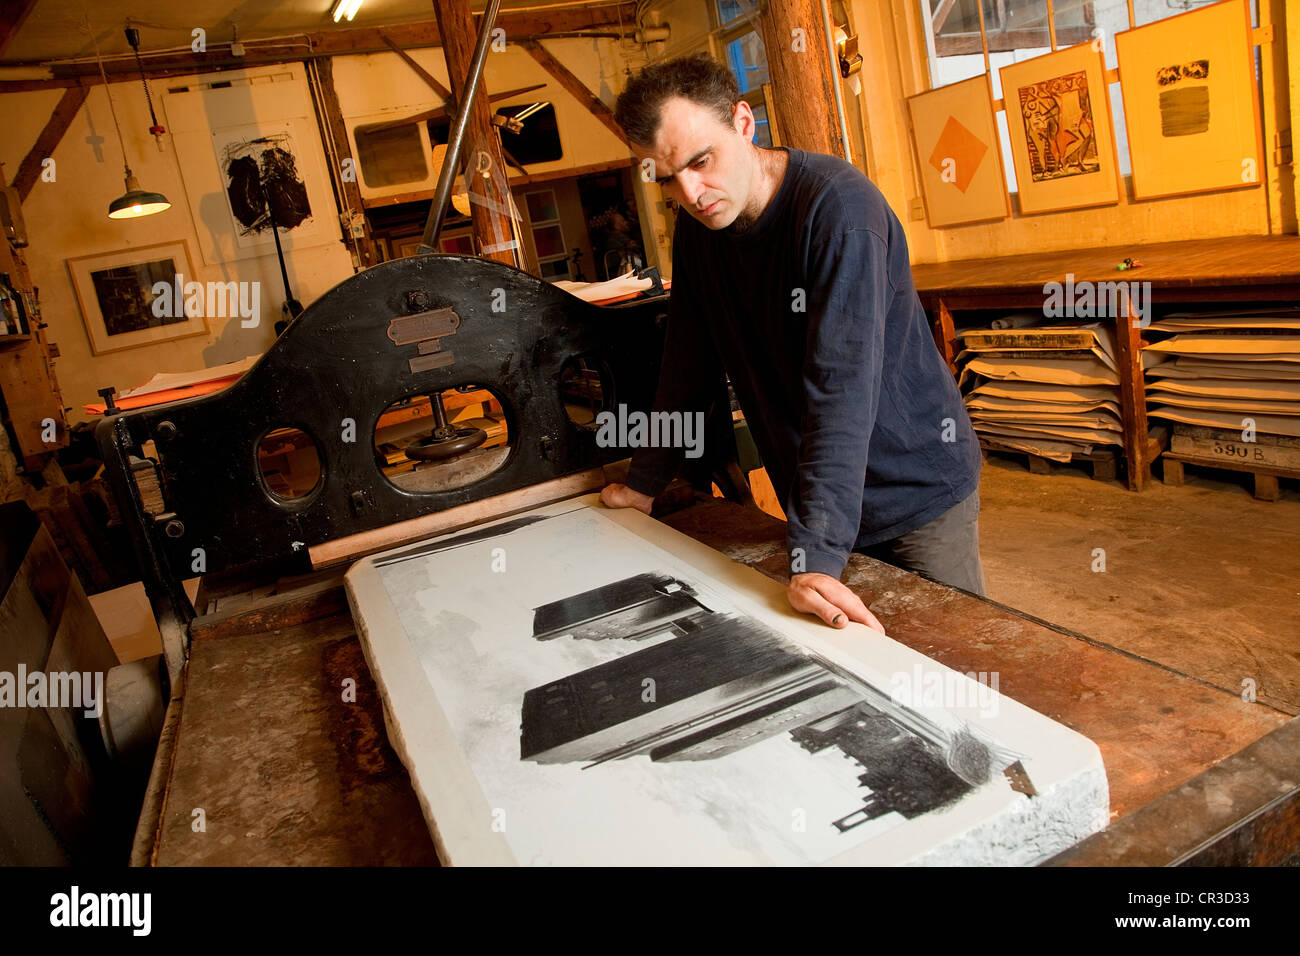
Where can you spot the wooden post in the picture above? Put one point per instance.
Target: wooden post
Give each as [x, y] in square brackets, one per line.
[343, 150]
[1132, 395]
[799, 63]
[481, 150]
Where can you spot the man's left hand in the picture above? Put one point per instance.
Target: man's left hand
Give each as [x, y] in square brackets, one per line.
[827, 598]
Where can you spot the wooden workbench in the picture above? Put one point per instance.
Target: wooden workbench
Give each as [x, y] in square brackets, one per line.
[287, 771]
[1238, 270]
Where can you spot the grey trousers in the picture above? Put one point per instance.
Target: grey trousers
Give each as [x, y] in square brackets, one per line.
[946, 550]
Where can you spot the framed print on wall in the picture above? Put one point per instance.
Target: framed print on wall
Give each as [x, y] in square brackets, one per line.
[961, 159]
[1062, 143]
[115, 291]
[1191, 104]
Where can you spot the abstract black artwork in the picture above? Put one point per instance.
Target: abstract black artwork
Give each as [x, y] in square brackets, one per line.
[262, 181]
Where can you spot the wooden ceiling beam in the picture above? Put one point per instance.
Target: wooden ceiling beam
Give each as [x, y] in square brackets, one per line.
[564, 76]
[430, 80]
[12, 15]
[29, 170]
[407, 36]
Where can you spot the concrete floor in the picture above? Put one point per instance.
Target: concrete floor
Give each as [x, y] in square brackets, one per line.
[1202, 579]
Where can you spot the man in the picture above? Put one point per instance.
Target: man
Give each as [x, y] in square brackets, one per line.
[791, 273]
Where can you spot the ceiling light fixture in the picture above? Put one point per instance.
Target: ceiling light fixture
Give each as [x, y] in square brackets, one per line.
[346, 8]
[135, 202]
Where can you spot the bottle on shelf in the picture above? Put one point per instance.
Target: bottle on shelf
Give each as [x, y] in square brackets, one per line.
[12, 308]
[11, 217]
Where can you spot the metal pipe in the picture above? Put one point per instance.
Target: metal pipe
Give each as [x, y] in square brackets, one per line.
[464, 103]
[835, 81]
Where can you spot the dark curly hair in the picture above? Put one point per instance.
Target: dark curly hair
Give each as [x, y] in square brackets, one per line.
[697, 77]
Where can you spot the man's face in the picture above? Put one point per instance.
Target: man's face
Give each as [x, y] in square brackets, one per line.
[703, 164]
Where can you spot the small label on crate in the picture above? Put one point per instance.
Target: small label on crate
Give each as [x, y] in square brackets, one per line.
[1241, 453]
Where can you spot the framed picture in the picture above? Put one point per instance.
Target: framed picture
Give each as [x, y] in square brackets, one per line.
[130, 298]
[407, 247]
[961, 159]
[1191, 104]
[457, 244]
[1062, 142]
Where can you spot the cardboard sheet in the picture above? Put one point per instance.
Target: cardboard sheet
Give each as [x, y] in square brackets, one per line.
[1106, 422]
[1184, 367]
[1040, 392]
[1047, 341]
[1226, 321]
[1273, 424]
[991, 403]
[1231, 404]
[1096, 436]
[1260, 390]
[1240, 347]
[1062, 451]
[1060, 372]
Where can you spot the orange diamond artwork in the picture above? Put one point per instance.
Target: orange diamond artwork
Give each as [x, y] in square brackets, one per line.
[958, 153]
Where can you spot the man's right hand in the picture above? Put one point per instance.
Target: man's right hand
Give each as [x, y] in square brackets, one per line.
[827, 598]
[621, 496]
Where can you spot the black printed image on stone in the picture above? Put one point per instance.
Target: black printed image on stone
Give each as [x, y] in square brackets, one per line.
[717, 682]
[259, 170]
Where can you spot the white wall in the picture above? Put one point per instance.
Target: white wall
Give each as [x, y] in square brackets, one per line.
[380, 86]
[68, 218]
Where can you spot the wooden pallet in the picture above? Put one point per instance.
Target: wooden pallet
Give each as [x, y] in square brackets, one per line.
[1268, 458]
[1266, 488]
[1104, 463]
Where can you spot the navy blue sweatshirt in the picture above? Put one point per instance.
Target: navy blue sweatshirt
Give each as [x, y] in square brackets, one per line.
[812, 313]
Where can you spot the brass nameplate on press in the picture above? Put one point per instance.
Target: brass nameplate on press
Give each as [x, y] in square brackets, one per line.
[406, 329]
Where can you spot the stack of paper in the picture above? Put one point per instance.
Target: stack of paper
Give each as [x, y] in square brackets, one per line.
[1233, 371]
[625, 286]
[1051, 391]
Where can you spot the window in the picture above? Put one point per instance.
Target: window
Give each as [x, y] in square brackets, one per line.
[742, 49]
[536, 141]
[728, 10]
[548, 236]
[390, 156]
[538, 138]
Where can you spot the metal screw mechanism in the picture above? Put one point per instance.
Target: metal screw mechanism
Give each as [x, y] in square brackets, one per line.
[106, 394]
[447, 441]
[417, 301]
[174, 528]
